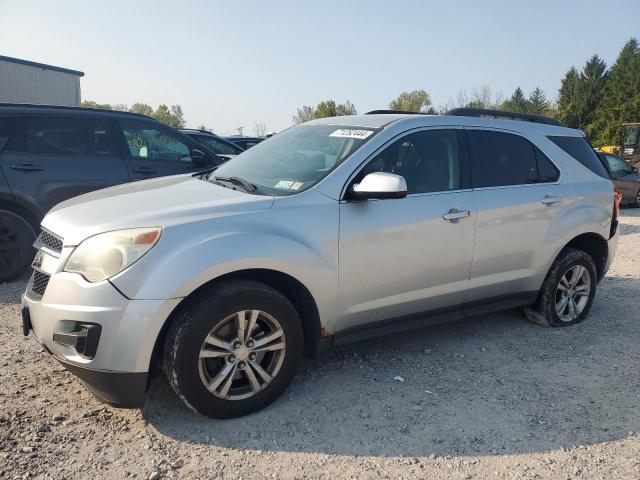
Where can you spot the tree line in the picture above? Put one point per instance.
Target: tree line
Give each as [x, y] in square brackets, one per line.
[172, 116]
[595, 99]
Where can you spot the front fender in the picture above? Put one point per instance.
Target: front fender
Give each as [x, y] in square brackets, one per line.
[184, 260]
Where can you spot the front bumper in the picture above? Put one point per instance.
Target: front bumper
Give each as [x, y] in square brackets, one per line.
[116, 371]
[119, 389]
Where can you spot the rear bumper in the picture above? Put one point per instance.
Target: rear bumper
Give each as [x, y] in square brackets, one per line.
[612, 248]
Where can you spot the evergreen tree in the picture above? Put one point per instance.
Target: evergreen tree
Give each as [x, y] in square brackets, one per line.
[538, 103]
[569, 100]
[517, 103]
[620, 100]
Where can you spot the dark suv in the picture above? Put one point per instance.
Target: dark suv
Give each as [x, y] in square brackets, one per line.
[49, 154]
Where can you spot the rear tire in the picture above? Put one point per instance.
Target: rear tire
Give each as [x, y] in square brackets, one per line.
[636, 202]
[16, 240]
[223, 370]
[567, 292]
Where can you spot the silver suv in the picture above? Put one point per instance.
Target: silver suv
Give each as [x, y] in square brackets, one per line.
[329, 232]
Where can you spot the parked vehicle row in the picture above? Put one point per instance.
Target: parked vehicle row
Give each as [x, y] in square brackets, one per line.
[50, 154]
[333, 231]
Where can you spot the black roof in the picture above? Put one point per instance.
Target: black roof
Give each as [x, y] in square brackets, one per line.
[41, 65]
[395, 112]
[53, 109]
[482, 112]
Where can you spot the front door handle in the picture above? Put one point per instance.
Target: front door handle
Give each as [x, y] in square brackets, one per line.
[146, 170]
[27, 167]
[550, 199]
[455, 214]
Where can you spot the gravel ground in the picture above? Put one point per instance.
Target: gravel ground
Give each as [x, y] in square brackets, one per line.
[491, 397]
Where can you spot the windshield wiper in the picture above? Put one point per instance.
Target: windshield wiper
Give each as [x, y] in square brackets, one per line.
[241, 182]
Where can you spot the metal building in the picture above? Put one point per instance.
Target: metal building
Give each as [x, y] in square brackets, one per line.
[23, 81]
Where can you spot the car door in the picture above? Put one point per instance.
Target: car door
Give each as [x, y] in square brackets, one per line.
[400, 257]
[625, 178]
[51, 158]
[518, 194]
[154, 150]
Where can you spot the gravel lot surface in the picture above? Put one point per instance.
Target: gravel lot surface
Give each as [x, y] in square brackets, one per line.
[492, 397]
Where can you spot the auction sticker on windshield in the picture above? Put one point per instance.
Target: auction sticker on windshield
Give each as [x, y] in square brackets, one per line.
[348, 133]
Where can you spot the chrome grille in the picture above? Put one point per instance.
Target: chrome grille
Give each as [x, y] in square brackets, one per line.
[50, 241]
[39, 282]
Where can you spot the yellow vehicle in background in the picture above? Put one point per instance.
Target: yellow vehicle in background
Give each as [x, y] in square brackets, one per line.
[629, 148]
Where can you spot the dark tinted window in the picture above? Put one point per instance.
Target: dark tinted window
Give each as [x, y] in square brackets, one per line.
[429, 161]
[579, 148]
[547, 171]
[501, 159]
[63, 136]
[152, 142]
[6, 128]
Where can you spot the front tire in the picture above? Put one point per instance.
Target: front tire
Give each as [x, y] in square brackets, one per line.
[233, 349]
[16, 240]
[567, 292]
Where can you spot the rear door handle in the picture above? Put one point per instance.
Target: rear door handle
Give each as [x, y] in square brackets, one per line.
[455, 214]
[550, 199]
[143, 170]
[27, 167]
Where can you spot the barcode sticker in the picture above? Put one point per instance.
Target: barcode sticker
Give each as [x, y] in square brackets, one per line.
[348, 133]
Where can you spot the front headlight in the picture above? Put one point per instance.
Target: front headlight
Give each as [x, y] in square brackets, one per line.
[106, 254]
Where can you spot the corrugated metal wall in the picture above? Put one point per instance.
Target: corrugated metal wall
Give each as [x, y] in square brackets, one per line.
[27, 84]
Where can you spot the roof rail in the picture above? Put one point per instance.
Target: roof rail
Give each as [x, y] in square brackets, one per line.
[376, 112]
[482, 112]
[74, 109]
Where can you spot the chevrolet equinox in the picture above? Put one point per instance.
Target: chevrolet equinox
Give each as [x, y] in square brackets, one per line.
[331, 231]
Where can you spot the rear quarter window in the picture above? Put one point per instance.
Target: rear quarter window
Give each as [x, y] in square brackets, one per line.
[583, 152]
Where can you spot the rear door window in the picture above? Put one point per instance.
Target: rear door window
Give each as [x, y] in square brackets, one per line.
[582, 151]
[501, 159]
[57, 135]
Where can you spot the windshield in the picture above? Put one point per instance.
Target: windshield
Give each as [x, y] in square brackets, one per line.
[217, 145]
[296, 159]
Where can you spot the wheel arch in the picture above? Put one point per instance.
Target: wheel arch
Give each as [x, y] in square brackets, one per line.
[594, 245]
[295, 291]
[21, 211]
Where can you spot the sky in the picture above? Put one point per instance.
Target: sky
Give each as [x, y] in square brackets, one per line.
[235, 63]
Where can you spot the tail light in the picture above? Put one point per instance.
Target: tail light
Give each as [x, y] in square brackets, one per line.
[617, 198]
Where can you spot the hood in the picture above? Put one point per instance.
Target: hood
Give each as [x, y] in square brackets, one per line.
[159, 202]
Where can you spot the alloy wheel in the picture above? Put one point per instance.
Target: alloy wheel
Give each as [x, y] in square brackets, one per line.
[242, 355]
[572, 293]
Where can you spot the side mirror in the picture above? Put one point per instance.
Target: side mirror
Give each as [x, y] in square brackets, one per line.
[380, 185]
[198, 157]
